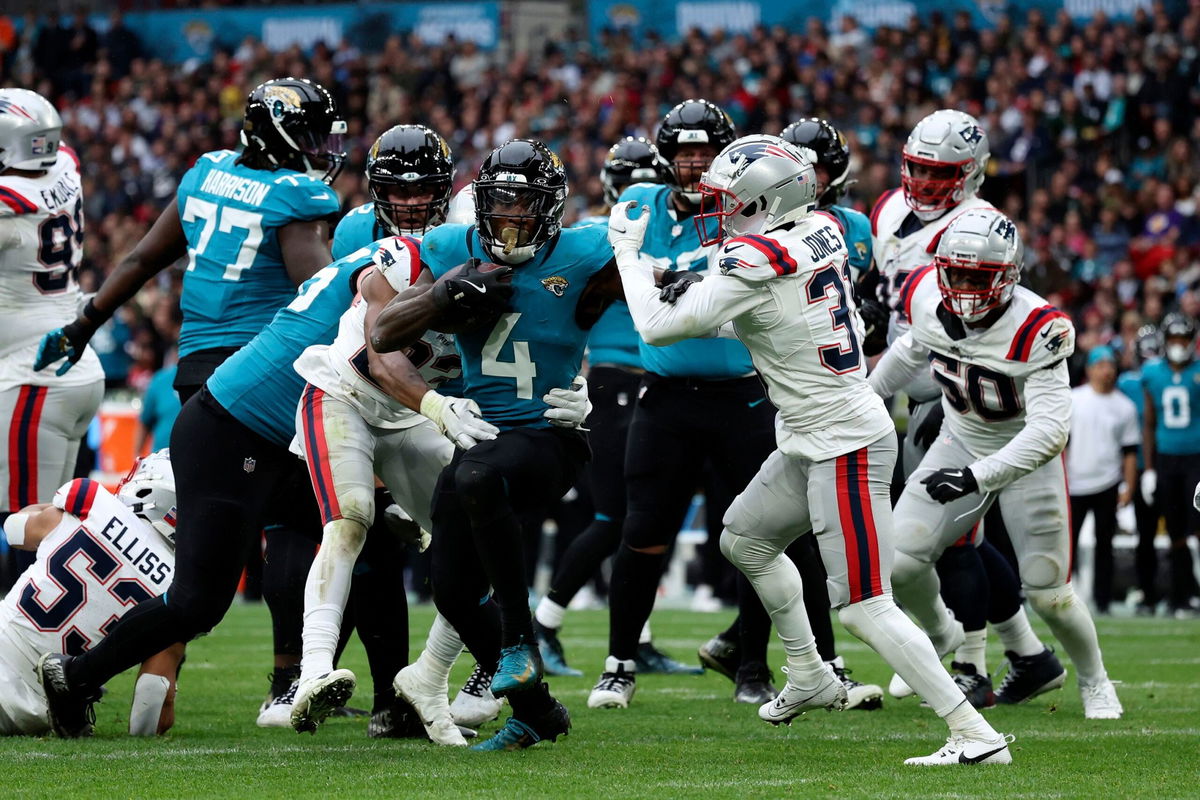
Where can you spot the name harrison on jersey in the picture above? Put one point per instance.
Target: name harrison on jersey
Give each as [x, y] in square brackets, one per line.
[235, 187]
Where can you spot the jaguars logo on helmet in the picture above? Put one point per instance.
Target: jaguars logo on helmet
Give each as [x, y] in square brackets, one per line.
[292, 123]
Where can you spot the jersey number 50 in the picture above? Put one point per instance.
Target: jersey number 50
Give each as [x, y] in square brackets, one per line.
[971, 388]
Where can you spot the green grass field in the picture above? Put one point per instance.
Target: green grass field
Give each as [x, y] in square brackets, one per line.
[683, 737]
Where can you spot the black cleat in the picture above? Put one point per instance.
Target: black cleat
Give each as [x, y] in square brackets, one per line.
[551, 648]
[71, 713]
[721, 655]
[652, 661]
[518, 735]
[1029, 676]
[977, 688]
[753, 684]
[401, 721]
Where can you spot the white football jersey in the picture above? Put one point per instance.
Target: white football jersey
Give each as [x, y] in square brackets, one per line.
[1005, 388]
[341, 369]
[788, 295]
[900, 244]
[41, 247]
[99, 562]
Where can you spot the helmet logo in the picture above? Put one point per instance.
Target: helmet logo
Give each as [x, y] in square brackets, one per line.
[248, 465]
[1006, 229]
[556, 285]
[281, 99]
[693, 136]
[971, 134]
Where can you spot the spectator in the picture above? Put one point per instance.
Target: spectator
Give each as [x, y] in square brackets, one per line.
[1101, 462]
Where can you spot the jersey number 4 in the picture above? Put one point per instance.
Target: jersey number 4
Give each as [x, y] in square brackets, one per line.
[224, 219]
[521, 368]
[830, 284]
[71, 580]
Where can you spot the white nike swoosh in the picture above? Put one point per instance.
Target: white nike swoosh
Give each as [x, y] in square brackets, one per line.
[323, 196]
[478, 288]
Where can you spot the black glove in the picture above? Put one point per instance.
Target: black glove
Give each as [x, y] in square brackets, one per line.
[950, 484]
[927, 432]
[475, 291]
[675, 282]
[875, 317]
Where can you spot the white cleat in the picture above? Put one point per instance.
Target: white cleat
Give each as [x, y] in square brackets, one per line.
[954, 638]
[793, 701]
[277, 712]
[475, 704]
[616, 686]
[317, 698]
[961, 750]
[1100, 700]
[431, 703]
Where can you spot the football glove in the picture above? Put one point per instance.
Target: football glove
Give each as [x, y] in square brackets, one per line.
[675, 282]
[475, 291]
[950, 484]
[569, 408]
[402, 525]
[875, 317]
[626, 232]
[927, 432]
[66, 342]
[459, 419]
[1149, 484]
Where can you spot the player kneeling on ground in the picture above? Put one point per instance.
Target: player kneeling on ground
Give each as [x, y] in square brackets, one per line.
[784, 290]
[97, 555]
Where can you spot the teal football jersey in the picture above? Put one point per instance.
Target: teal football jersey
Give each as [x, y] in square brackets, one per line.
[357, 229]
[675, 244]
[231, 215]
[538, 346]
[856, 230]
[258, 384]
[613, 339]
[1176, 398]
[1130, 384]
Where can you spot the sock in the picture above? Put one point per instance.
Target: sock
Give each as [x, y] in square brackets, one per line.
[631, 598]
[529, 704]
[282, 678]
[612, 664]
[777, 582]
[644, 637]
[549, 613]
[964, 720]
[442, 649]
[974, 651]
[1068, 619]
[1017, 635]
[897, 639]
[326, 592]
[917, 587]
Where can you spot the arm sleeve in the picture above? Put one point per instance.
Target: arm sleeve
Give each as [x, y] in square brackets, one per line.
[902, 362]
[1047, 426]
[700, 311]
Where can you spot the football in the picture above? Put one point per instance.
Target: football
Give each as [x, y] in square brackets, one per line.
[455, 320]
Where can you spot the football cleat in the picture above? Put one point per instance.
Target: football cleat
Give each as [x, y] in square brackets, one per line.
[793, 701]
[1100, 700]
[616, 686]
[753, 684]
[721, 655]
[551, 649]
[861, 696]
[898, 688]
[71, 713]
[397, 721]
[317, 698]
[520, 668]
[277, 712]
[961, 750]
[429, 700]
[976, 687]
[1029, 676]
[475, 704]
[517, 735]
[649, 660]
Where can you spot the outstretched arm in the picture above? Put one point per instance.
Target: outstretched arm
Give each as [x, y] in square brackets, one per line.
[393, 370]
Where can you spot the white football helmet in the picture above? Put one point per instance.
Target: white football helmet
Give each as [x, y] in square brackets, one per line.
[755, 185]
[978, 260]
[943, 162]
[149, 490]
[30, 130]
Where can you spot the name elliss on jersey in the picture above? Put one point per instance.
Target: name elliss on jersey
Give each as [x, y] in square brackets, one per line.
[235, 187]
[147, 562]
[62, 192]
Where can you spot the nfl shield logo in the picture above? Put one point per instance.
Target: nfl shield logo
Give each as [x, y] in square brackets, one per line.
[248, 465]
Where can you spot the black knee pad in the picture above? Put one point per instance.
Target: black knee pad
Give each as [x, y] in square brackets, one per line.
[480, 488]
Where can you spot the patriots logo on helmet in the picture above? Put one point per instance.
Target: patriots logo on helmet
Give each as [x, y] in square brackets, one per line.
[971, 134]
[1007, 229]
[9, 107]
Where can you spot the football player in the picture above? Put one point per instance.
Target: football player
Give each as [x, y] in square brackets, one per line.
[784, 289]
[561, 282]
[614, 373]
[97, 555]
[253, 225]
[943, 165]
[43, 416]
[1172, 442]
[698, 403]
[1147, 347]
[999, 353]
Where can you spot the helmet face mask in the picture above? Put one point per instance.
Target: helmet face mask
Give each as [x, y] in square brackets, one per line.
[520, 197]
[410, 176]
[943, 162]
[972, 289]
[1179, 338]
[690, 135]
[292, 123]
[932, 185]
[978, 262]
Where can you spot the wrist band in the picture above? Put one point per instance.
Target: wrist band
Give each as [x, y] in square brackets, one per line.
[14, 528]
[93, 314]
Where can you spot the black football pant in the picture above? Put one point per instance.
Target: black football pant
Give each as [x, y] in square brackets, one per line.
[1103, 506]
[1177, 479]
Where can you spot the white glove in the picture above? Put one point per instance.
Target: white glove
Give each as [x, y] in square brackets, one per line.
[1149, 486]
[1196, 498]
[568, 407]
[149, 694]
[458, 418]
[625, 233]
